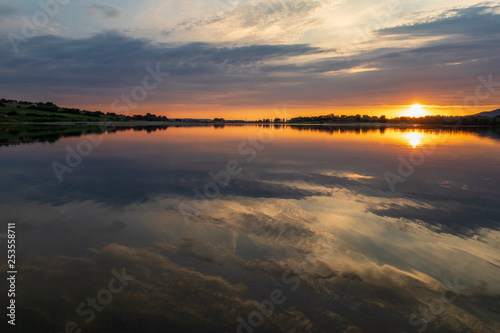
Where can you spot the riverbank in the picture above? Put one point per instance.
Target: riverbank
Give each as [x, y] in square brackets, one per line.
[207, 124]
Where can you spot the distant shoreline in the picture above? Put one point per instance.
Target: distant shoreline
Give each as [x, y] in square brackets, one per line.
[207, 124]
[24, 112]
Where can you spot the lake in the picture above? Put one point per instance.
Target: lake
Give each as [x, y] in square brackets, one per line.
[252, 228]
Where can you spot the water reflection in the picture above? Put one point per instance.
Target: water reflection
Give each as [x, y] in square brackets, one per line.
[12, 134]
[414, 138]
[311, 216]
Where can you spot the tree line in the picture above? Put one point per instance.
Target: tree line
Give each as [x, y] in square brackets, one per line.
[323, 119]
[425, 120]
[52, 107]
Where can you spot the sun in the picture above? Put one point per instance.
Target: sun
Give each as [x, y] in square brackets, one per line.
[416, 110]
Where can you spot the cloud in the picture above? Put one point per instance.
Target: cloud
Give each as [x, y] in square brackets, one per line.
[110, 63]
[114, 61]
[477, 21]
[104, 11]
[260, 21]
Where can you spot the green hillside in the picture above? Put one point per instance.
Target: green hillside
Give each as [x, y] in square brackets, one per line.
[21, 113]
[12, 111]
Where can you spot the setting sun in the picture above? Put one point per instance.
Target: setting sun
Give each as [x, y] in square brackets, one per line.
[416, 110]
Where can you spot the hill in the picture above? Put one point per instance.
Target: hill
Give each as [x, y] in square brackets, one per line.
[494, 113]
[24, 111]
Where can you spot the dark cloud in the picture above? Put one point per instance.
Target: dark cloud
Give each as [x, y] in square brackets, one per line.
[116, 226]
[113, 60]
[444, 71]
[478, 21]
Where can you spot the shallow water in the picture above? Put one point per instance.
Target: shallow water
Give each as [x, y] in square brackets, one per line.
[324, 229]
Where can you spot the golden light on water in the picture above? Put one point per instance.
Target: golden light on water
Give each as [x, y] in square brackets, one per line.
[414, 138]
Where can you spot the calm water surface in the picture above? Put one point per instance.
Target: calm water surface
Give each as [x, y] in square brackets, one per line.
[305, 234]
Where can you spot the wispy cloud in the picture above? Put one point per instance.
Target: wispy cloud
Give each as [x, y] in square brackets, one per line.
[104, 11]
[477, 21]
[261, 21]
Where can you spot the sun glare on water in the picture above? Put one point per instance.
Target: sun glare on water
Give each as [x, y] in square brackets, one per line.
[414, 139]
[416, 110]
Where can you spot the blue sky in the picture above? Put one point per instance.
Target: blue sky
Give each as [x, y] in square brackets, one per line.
[235, 57]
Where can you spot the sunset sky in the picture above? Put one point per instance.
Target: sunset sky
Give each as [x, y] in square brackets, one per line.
[246, 58]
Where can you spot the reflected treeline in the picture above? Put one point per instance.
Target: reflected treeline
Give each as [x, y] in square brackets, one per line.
[17, 134]
[25, 134]
[490, 131]
[14, 134]
[338, 129]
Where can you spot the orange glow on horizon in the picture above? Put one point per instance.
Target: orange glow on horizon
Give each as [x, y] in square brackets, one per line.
[252, 113]
[416, 110]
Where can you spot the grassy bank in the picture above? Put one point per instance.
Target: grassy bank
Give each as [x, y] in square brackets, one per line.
[19, 114]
